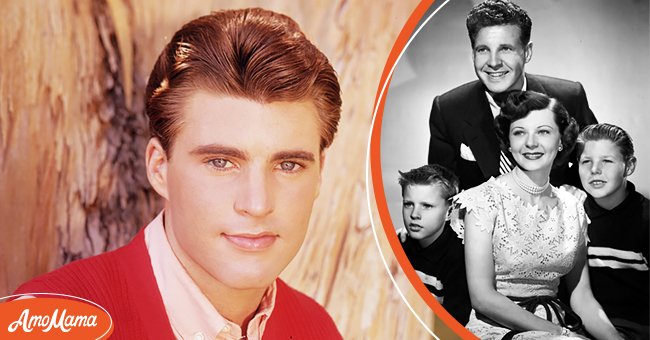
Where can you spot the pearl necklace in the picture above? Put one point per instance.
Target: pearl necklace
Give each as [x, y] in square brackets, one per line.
[529, 188]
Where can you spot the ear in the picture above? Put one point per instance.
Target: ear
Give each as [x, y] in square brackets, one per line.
[630, 166]
[449, 210]
[156, 164]
[320, 171]
[322, 160]
[528, 52]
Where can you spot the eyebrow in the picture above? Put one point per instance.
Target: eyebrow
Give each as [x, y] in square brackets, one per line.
[216, 149]
[294, 154]
[498, 46]
[538, 127]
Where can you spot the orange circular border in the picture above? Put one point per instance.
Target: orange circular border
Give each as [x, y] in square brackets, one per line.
[377, 180]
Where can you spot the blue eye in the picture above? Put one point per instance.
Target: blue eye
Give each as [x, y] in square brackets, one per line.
[220, 163]
[289, 166]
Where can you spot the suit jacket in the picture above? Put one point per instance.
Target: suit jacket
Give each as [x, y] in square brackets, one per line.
[463, 116]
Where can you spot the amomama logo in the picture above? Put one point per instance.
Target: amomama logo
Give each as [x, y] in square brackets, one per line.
[53, 316]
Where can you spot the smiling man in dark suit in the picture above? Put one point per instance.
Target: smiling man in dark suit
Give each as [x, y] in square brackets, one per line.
[463, 138]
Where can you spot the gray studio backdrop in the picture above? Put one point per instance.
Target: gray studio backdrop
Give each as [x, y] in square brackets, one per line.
[603, 44]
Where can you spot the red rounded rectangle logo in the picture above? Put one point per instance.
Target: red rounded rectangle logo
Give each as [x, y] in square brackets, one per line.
[53, 316]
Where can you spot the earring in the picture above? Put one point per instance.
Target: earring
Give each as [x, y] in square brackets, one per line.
[559, 148]
[510, 149]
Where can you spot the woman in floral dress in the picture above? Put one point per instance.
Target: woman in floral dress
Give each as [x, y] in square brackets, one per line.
[521, 234]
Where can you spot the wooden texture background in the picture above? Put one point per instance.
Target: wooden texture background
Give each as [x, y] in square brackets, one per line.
[72, 137]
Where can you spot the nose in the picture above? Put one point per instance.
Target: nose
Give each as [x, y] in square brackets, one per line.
[595, 168]
[494, 61]
[531, 141]
[255, 196]
[415, 213]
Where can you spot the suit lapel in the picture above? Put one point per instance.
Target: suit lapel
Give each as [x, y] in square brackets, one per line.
[480, 133]
[534, 84]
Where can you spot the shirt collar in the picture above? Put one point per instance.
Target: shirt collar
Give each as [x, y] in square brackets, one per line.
[493, 105]
[190, 313]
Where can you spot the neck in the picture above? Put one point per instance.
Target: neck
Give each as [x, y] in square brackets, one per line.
[614, 199]
[236, 305]
[527, 187]
[538, 177]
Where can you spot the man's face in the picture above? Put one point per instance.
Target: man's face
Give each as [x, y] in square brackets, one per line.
[499, 58]
[240, 186]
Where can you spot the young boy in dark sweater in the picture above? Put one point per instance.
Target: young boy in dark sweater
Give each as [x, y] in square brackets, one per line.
[432, 247]
[618, 232]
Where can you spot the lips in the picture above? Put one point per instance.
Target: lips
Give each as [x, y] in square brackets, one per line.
[533, 155]
[597, 183]
[496, 75]
[252, 242]
[414, 227]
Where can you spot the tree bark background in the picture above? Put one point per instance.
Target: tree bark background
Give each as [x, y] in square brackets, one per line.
[73, 132]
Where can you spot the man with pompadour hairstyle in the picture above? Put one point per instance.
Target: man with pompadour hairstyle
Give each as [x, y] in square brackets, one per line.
[241, 107]
[463, 138]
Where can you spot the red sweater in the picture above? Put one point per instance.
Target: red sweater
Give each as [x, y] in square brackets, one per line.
[122, 281]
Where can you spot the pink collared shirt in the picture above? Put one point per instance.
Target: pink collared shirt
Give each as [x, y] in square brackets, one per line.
[190, 313]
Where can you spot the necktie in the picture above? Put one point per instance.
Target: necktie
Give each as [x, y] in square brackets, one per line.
[505, 165]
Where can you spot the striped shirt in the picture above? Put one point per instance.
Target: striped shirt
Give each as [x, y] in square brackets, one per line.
[618, 257]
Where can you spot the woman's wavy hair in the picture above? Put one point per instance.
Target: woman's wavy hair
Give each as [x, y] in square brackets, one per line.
[250, 53]
[516, 105]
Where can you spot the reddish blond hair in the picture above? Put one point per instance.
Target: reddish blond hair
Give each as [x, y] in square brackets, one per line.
[251, 53]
